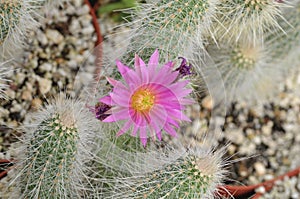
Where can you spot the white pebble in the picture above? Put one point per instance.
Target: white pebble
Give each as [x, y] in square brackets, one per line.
[44, 85]
[54, 36]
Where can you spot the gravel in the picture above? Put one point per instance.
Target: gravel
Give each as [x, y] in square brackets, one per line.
[55, 53]
[267, 134]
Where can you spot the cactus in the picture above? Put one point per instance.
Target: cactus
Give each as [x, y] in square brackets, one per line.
[248, 17]
[248, 69]
[189, 174]
[57, 149]
[16, 19]
[286, 43]
[170, 25]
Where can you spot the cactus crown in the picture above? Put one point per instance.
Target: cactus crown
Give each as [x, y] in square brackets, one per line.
[183, 178]
[244, 58]
[189, 176]
[179, 15]
[51, 154]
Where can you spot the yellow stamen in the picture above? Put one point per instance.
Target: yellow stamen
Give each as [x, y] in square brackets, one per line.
[142, 100]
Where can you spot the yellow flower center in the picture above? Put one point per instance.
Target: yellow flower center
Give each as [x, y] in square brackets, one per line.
[142, 100]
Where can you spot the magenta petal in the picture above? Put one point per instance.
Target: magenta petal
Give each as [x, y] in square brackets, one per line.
[185, 118]
[173, 122]
[154, 58]
[124, 128]
[106, 100]
[165, 80]
[184, 101]
[143, 135]
[117, 84]
[122, 68]
[159, 118]
[129, 75]
[180, 84]
[153, 62]
[116, 116]
[112, 81]
[170, 64]
[138, 119]
[156, 130]
[132, 79]
[145, 74]
[134, 131]
[170, 130]
[156, 124]
[177, 114]
[152, 132]
[159, 136]
[141, 69]
[122, 91]
[121, 101]
[158, 114]
[137, 64]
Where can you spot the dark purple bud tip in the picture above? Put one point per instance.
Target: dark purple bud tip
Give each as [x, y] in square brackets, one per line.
[100, 109]
[184, 69]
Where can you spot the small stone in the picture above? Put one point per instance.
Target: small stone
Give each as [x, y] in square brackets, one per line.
[85, 20]
[26, 95]
[33, 63]
[36, 103]
[10, 93]
[74, 27]
[44, 85]
[20, 77]
[260, 189]
[268, 177]
[247, 148]
[54, 36]
[207, 103]
[16, 107]
[253, 180]
[267, 129]
[295, 195]
[88, 30]
[231, 149]
[42, 37]
[260, 168]
[235, 136]
[243, 170]
[83, 10]
[257, 140]
[45, 67]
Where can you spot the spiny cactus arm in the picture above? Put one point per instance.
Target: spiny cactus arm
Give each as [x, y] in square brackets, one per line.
[57, 149]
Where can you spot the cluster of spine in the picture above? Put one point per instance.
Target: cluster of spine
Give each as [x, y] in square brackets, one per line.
[246, 66]
[10, 16]
[190, 175]
[57, 152]
[51, 157]
[287, 42]
[182, 179]
[17, 18]
[251, 18]
[3, 80]
[170, 26]
[250, 39]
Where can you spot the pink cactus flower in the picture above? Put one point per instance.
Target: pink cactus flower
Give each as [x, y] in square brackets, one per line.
[150, 100]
